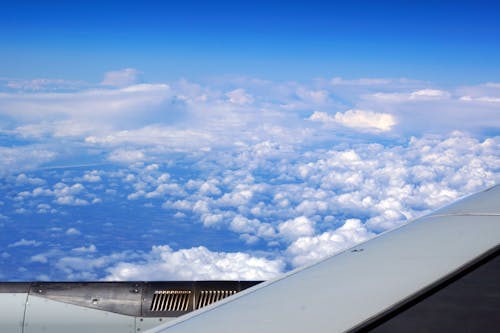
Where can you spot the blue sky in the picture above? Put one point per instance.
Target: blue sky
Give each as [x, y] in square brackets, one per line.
[446, 42]
[218, 140]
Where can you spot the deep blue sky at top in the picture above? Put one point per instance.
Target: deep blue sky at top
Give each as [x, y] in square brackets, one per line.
[442, 41]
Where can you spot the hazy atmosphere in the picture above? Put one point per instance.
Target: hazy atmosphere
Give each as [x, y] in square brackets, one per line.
[160, 141]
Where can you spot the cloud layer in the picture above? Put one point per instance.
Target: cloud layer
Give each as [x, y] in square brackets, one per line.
[236, 179]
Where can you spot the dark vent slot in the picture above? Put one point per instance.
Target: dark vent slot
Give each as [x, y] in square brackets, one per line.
[170, 300]
[211, 296]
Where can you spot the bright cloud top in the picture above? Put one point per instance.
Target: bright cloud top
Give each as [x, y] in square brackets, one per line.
[358, 119]
[196, 264]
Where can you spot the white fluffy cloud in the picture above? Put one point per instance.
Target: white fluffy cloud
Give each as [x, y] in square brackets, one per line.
[85, 249]
[239, 96]
[73, 232]
[92, 176]
[197, 263]
[309, 249]
[62, 194]
[358, 119]
[22, 179]
[297, 227]
[251, 230]
[126, 155]
[385, 185]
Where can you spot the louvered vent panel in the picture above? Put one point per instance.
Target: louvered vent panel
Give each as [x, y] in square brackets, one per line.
[211, 296]
[170, 300]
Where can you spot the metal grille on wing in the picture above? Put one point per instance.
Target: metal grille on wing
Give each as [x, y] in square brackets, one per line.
[208, 297]
[170, 300]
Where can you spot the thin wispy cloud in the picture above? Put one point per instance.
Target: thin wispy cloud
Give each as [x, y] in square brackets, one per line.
[121, 78]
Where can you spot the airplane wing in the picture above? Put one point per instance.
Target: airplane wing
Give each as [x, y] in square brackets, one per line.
[439, 273]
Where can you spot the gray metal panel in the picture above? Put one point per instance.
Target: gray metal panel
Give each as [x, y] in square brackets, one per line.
[123, 298]
[45, 315]
[144, 323]
[348, 289]
[128, 298]
[12, 312]
[15, 287]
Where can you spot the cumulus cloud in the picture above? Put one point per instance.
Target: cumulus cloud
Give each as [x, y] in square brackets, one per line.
[82, 249]
[171, 190]
[40, 258]
[309, 249]
[45, 209]
[92, 176]
[127, 156]
[298, 206]
[386, 185]
[252, 230]
[197, 263]
[239, 96]
[67, 195]
[63, 194]
[297, 227]
[428, 93]
[73, 232]
[358, 119]
[240, 196]
[23, 179]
